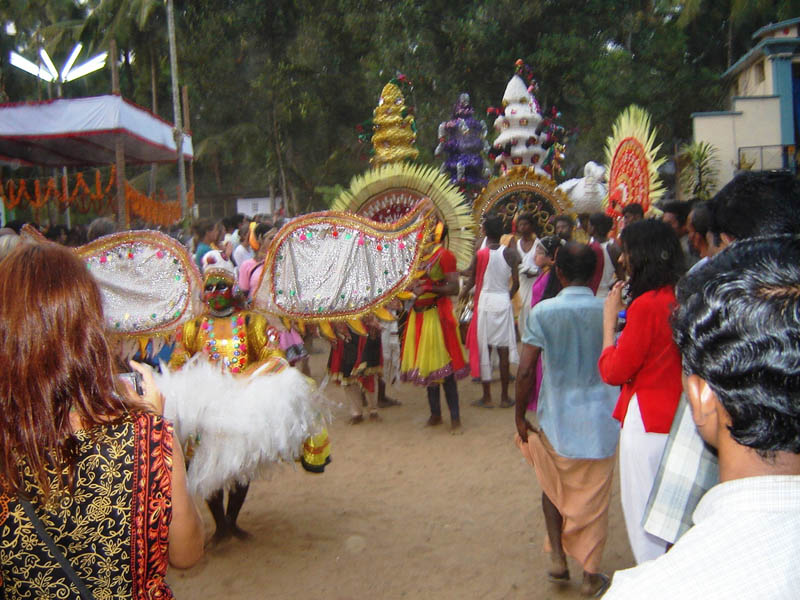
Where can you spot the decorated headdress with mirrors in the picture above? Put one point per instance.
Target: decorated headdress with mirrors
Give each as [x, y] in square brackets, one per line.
[632, 164]
[522, 190]
[336, 266]
[388, 193]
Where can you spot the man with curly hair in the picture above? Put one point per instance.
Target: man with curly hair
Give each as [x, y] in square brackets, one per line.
[736, 327]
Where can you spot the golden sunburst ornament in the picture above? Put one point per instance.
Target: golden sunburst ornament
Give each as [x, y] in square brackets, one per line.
[522, 190]
[631, 163]
[389, 192]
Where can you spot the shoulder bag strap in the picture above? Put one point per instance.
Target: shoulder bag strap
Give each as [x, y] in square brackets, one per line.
[65, 566]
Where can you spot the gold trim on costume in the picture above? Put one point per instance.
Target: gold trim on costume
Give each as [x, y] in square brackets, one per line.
[334, 266]
[520, 190]
[149, 282]
[387, 192]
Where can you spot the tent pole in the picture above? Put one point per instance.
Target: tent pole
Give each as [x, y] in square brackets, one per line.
[176, 110]
[123, 219]
[187, 123]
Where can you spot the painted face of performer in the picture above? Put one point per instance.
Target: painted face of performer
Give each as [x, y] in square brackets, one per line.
[218, 293]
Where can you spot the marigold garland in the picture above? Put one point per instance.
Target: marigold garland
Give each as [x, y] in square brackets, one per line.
[155, 209]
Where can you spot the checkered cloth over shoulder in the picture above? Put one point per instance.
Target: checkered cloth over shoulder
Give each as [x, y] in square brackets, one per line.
[687, 471]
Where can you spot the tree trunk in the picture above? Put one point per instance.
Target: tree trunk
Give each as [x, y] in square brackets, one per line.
[730, 42]
[151, 189]
[281, 173]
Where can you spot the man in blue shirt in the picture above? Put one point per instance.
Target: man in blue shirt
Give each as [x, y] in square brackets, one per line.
[573, 449]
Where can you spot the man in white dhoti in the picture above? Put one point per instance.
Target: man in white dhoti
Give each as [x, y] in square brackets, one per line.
[494, 273]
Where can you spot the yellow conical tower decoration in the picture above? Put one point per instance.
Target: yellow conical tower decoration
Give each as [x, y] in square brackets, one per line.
[394, 129]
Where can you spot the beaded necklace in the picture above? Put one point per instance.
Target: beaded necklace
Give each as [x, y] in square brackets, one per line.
[233, 357]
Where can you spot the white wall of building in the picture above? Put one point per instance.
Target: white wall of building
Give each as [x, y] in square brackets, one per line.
[753, 122]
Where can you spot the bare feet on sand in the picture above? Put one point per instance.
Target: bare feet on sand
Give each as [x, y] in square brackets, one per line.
[483, 403]
[240, 533]
[388, 402]
[558, 572]
[220, 535]
[594, 584]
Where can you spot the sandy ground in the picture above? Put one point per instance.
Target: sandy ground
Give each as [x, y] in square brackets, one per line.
[403, 511]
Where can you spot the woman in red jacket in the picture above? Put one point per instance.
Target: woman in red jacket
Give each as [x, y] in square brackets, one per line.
[645, 361]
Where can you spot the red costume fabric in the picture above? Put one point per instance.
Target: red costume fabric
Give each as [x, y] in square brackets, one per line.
[482, 260]
[428, 361]
[594, 282]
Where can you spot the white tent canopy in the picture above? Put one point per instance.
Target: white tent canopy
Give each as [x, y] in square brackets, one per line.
[83, 131]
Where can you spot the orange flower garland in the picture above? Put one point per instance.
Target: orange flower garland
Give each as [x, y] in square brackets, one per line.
[155, 210]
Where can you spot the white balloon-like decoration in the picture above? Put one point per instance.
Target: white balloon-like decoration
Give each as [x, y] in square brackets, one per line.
[587, 192]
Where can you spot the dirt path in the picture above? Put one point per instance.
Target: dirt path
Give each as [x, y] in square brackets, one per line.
[403, 511]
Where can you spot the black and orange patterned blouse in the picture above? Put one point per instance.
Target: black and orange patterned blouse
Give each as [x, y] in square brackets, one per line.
[113, 528]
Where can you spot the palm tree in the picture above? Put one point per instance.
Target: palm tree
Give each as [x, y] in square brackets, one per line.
[700, 170]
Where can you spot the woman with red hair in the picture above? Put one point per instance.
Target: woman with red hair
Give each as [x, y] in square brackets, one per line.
[84, 470]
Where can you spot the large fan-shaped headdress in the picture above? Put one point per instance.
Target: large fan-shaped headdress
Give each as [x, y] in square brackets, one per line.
[337, 266]
[631, 163]
[148, 282]
[391, 191]
[522, 190]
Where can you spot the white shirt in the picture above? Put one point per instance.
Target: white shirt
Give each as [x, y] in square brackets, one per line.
[745, 545]
[241, 254]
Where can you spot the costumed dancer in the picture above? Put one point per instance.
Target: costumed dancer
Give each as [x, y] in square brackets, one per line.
[432, 353]
[390, 347]
[291, 343]
[239, 406]
[353, 363]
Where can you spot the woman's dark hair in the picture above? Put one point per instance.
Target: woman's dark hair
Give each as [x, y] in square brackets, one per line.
[551, 244]
[203, 226]
[737, 326]
[654, 254]
[262, 229]
[55, 358]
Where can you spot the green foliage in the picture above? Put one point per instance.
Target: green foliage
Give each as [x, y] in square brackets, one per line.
[329, 193]
[277, 87]
[701, 167]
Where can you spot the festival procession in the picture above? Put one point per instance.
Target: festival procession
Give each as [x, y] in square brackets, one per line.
[398, 300]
